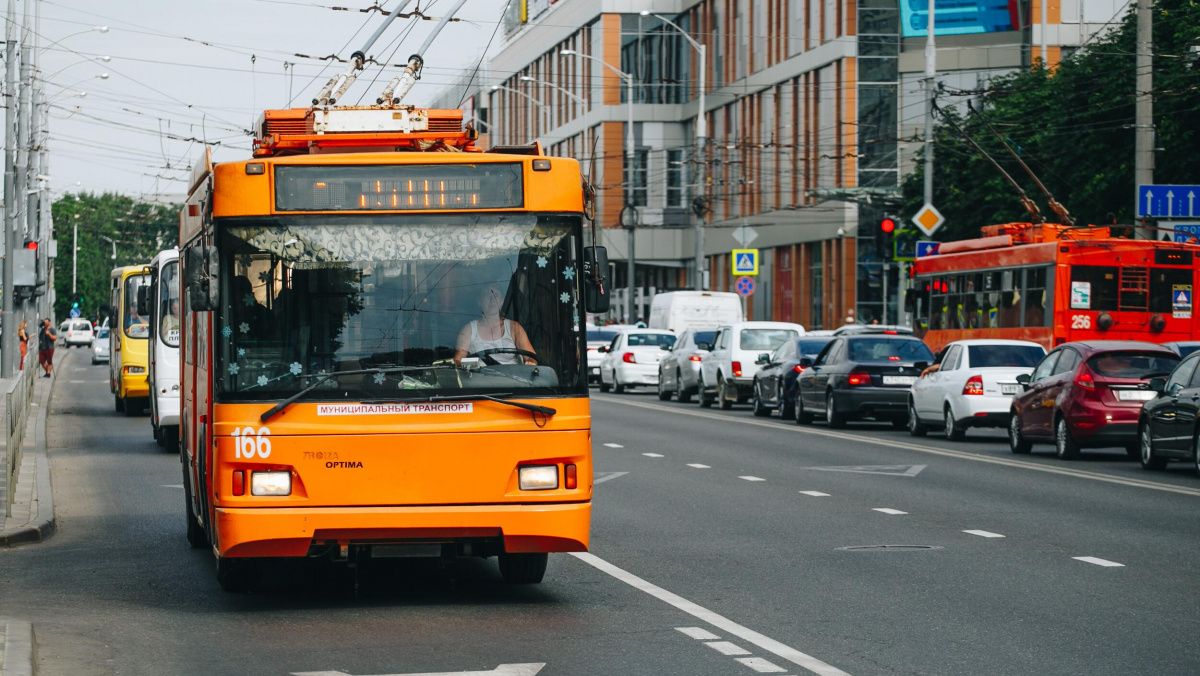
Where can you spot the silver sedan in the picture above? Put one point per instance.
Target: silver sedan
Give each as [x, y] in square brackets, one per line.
[679, 371]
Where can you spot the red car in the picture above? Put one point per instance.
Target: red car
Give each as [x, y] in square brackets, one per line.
[1087, 394]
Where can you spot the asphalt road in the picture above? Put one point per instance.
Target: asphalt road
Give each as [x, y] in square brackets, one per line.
[719, 547]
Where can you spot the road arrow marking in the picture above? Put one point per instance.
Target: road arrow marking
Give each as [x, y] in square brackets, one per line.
[1149, 202]
[885, 470]
[606, 476]
[503, 670]
[1170, 203]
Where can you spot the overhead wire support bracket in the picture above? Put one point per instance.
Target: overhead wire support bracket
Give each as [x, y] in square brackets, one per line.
[337, 86]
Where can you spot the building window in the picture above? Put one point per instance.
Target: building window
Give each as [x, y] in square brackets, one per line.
[637, 182]
[675, 178]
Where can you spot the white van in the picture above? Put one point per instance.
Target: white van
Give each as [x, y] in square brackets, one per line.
[164, 301]
[679, 310]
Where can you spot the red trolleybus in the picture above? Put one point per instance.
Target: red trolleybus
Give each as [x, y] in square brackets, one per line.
[383, 346]
[1053, 284]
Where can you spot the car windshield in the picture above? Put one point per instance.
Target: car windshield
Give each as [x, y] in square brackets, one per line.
[136, 326]
[888, 350]
[496, 295]
[168, 304]
[595, 336]
[1185, 349]
[989, 356]
[102, 333]
[1132, 364]
[764, 340]
[650, 339]
[81, 326]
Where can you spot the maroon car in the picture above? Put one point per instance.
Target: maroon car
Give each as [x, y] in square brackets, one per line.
[1087, 395]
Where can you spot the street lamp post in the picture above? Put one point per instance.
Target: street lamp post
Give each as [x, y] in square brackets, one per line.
[701, 141]
[628, 78]
[570, 94]
[541, 106]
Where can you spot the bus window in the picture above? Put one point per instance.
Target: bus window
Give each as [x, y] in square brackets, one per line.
[1035, 297]
[1094, 287]
[136, 326]
[1162, 285]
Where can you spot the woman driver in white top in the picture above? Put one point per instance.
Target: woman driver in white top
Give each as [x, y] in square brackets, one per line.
[492, 331]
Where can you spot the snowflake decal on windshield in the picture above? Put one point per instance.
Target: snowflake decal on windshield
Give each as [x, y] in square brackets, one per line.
[541, 261]
[241, 352]
[233, 369]
[248, 300]
[564, 297]
[379, 378]
[244, 327]
[262, 380]
[227, 331]
[294, 368]
[569, 272]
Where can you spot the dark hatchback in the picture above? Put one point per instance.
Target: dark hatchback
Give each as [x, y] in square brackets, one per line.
[1169, 427]
[861, 376]
[1087, 394]
[775, 382]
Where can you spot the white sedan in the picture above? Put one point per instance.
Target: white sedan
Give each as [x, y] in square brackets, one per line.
[631, 359]
[970, 385]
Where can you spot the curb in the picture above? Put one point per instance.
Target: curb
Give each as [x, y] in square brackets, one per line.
[42, 525]
[18, 649]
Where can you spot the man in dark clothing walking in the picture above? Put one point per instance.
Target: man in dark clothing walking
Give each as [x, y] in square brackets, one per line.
[46, 339]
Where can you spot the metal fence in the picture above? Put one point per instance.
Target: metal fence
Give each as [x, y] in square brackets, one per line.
[17, 395]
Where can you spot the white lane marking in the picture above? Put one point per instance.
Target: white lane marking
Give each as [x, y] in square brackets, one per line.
[885, 470]
[815, 494]
[983, 533]
[944, 452]
[653, 455]
[530, 669]
[611, 445]
[719, 621]
[888, 510]
[171, 485]
[605, 476]
[752, 478]
[698, 465]
[1099, 562]
[727, 648]
[697, 633]
[761, 665]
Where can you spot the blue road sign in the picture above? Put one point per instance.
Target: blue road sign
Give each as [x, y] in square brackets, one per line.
[744, 286]
[1187, 232]
[1168, 201]
[74, 313]
[927, 248]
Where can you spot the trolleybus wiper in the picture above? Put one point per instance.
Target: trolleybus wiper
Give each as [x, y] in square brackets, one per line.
[499, 398]
[322, 377]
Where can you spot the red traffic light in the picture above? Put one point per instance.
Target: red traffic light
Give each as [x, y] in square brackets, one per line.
[31, 244]
[888, 225]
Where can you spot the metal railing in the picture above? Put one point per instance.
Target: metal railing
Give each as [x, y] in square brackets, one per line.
[17, 395]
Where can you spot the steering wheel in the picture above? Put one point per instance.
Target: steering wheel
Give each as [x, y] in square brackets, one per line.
[486, 355]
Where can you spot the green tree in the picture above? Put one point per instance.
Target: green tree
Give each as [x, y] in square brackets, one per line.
[1074, 126]
[135, 231]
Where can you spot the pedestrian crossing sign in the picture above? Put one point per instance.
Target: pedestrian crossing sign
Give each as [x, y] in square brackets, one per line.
[745, 262]
[1181, 301]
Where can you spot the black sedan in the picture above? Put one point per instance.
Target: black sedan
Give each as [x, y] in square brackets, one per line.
[861, 376]
[1169, 426]
[775, 382]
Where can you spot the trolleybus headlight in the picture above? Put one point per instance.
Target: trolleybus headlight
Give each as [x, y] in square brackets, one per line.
[271, 483]
[538, 477]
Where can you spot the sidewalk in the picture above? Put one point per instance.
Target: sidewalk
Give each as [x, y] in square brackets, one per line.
[32, 517]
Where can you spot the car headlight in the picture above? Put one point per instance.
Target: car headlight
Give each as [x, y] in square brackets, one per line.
[538, 477]
[135, 369]
[270, 483]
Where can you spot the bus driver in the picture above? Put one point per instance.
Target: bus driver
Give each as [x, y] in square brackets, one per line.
[492, 331]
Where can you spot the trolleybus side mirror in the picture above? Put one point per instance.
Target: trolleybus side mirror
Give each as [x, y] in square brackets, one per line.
[1158, 384]
[143, 301]
[595, 279]
[202, 278]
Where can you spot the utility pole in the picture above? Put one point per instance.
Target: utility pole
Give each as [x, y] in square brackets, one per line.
[930, 73]
[1143, 139]
[630, 302]
[13, 198]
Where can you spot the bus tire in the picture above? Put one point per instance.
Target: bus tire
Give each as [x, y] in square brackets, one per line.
[197, 537]
[170, 438]
[523, 568]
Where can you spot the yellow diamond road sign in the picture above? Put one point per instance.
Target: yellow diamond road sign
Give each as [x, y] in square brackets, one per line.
[928, 219]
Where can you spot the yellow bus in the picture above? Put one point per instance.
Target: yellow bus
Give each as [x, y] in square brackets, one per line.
[383, 348]
[129, 334]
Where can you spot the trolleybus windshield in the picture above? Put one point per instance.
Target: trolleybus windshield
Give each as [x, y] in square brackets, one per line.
[310, 294]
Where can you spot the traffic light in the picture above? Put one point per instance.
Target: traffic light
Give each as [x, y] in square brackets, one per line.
[884, 236]
[31, 244]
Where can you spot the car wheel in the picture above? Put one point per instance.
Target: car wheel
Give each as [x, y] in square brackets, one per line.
[1065, 446]
[723, 396]
[604, 387]
[832, 418]
[950, 428]
[786, 408]
[760, 410]
[523, 568]
[681, 394]
[702, 395]
[663, 393]
[916, 428]
[1196, 452]
[1017, 443]
[618, 388]
[1146, 449]
[802, 417]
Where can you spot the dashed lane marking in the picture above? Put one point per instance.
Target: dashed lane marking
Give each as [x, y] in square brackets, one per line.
[761, 665]
[703, 614]
[752, 478]
[653, 455]
[171, 485]
[983, 533]
[601, 477]
[815, 494]
[1099, 562]
[698, 633]
[726, 648]
[944, 452]
[698, 465]
[611, 445]
[888, 510]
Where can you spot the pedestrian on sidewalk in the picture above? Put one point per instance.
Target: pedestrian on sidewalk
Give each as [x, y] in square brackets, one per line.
[23, 336]
[46, 339]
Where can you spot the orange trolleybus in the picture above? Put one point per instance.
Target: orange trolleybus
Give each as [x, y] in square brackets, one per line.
[382, 349]
[1052, 284]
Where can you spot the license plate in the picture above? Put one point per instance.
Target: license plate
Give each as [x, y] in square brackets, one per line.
[595, 370]
[899, 380]
[1136, 395]
[1008, 388]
